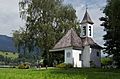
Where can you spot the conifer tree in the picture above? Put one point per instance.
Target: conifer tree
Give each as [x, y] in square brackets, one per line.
[112, 27]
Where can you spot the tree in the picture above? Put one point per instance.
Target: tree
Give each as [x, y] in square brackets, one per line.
[106, 62]
[46, 22]
[24, 46]
[112, 27]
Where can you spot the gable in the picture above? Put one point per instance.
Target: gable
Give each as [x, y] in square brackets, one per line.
[71, 39]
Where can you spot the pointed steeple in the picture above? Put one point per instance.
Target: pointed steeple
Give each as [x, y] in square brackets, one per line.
[87, 18]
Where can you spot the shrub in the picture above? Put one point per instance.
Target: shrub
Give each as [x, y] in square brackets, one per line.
[106, 62]
[92, 64]
[64, 65]
[69, 66]
[23, 66]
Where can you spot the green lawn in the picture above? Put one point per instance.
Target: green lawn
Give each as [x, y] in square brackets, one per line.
[59, 74]
[9, 54]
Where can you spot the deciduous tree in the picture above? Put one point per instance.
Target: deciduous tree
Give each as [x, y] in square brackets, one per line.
[46, 22]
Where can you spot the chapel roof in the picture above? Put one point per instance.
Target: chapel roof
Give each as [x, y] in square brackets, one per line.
[86, 19]
[87, 41]
[71, 39]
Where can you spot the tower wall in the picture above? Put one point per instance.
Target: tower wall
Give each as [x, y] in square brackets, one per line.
[86, 30]
[96, 59]
[86, 56]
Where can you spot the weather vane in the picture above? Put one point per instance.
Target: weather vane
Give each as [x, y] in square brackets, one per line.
[86, 6]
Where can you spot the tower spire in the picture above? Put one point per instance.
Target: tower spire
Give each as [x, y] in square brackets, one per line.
[86, 18]
[86, 25]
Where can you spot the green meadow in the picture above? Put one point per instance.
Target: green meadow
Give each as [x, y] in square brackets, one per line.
[9, 73]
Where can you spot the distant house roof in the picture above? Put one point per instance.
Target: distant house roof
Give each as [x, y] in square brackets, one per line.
[86, 19]
[71, 39]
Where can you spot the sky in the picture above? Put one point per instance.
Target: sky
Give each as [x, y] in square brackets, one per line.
[95, 8]
[10, 19]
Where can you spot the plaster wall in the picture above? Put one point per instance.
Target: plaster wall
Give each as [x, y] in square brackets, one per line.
[86, 56]
[73, 58]
[76, 57]
[94, 58]
[68, 59]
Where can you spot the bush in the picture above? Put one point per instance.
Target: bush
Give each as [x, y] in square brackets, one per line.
[23, 66]
[106, 62]
[64, 65]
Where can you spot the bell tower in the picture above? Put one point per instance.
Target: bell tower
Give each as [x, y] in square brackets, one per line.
[86, 26]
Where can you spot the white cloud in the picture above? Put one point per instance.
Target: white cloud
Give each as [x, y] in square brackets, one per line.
[10, 20]
[9, 16]
[94, 7]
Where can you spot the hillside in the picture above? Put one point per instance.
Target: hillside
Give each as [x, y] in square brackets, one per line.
[7, 44]
[9, 54]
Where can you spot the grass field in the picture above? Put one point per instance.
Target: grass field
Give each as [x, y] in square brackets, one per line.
[9, 54]
[59, 74]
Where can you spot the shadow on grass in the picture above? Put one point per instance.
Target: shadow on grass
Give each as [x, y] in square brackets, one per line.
[74, 71]
[89, 73]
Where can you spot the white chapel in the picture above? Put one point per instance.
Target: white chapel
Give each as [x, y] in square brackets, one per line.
[80, 51]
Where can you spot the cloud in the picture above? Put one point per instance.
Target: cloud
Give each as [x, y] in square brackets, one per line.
[75, 3]
[10, 20]
[90, 3]
[94, 9]
[9, 16]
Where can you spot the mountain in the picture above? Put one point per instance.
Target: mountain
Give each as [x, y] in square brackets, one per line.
[7, 44]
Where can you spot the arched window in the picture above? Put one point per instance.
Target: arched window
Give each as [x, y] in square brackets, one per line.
[84, 30]
[98, 54]
[90, 30]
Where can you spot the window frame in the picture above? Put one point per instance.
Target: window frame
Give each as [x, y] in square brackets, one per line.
[90, 31]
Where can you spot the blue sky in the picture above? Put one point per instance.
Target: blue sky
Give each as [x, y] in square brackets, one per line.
[10, 20]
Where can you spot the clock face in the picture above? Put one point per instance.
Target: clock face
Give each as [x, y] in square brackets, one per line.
[68, 54]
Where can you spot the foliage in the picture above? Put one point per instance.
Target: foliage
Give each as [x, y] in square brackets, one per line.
[64, 65]
[92, 64]
[8, 58]
[23, 66]
[24, 47]
[9, 54]
[112, 27]
[106, 61]
[46, 22]
[85, 73]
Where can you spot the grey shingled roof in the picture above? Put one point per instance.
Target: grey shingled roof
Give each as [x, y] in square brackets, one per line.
[71, 39]
[87, 19]
[87, 41]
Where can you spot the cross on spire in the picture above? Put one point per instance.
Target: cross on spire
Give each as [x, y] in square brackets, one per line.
[86, 18]
[86, 6]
